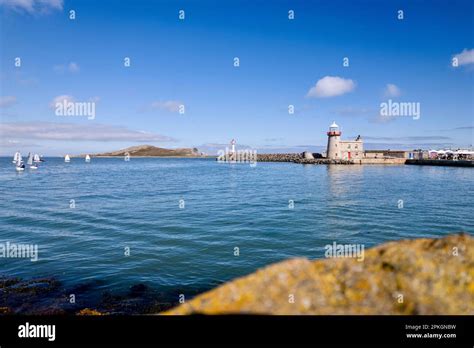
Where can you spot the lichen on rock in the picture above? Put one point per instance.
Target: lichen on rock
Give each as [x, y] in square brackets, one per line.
[420, 276]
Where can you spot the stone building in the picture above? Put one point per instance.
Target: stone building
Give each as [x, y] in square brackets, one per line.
[388, 154]
[343, 149]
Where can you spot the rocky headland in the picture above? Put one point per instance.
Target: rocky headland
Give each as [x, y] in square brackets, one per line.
[151, 151]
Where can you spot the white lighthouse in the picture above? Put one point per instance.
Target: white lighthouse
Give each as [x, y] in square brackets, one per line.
[338, 149]
[334, 140]
[232, 146]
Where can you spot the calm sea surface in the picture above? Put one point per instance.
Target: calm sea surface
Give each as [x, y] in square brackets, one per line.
[136, 204]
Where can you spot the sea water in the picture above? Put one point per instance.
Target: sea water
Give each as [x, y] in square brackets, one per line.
[195, 223]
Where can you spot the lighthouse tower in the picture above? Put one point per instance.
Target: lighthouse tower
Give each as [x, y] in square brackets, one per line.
[334, 139]
[232, 143]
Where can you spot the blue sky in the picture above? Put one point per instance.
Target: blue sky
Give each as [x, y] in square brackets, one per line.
[190, 62]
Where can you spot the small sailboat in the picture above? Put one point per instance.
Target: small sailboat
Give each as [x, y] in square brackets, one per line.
[36, 158]
[88, 159]
[20, 166]
[67, 159]
[16, 156]
[30, 162]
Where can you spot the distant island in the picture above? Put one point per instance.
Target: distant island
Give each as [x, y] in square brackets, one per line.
[151, 151]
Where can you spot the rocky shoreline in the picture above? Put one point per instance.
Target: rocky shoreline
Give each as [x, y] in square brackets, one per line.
[48, 296]
[418, 276]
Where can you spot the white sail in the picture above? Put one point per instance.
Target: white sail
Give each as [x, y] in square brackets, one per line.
[36, 158]
[16, 156]
[30, 159]
[18, 162]
[67, 158]
[88, 158]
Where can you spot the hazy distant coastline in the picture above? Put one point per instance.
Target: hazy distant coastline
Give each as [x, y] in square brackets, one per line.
[150, 151]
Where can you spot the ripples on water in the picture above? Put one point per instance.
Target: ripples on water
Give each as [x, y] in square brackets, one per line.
[136, 204]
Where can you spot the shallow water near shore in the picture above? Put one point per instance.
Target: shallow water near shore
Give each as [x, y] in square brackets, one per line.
[178, 249]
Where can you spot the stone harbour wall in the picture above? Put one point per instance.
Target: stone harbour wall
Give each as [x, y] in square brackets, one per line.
[279, 157]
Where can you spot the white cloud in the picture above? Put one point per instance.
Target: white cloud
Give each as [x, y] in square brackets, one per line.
[33, 6]
[72, 67]
[380, 118]
[331, 86]
[465, 57]
[9, 143]
[392, 91]
[169, 105]
[60, 99]
[7, 101]
[76, 132]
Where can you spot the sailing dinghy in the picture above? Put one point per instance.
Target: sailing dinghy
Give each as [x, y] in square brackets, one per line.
[16, 156]
[30, 162]
[19, 165]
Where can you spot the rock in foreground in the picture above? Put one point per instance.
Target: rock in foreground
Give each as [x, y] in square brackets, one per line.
[421, 276]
